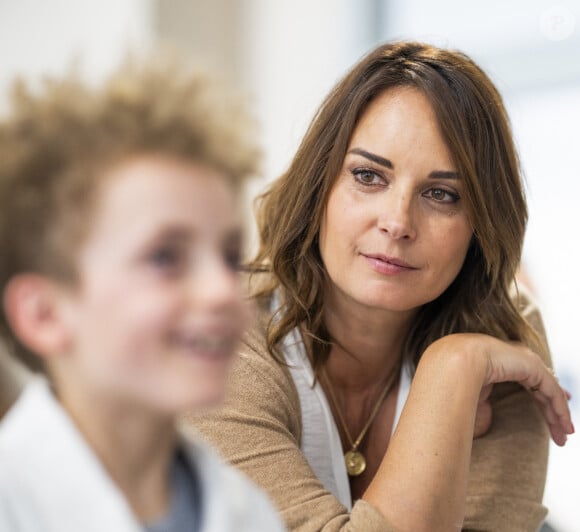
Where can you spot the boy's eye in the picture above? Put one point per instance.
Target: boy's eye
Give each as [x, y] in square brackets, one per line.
[233, 258]
[166, 258]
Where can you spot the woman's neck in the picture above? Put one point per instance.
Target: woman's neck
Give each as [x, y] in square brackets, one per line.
[367, 342]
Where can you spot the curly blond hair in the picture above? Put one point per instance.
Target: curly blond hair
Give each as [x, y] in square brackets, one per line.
[57, 142]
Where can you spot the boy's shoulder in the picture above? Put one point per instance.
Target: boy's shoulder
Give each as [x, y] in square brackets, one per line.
[231, 500]
[46, 468]
[49, 477]
[22, 426]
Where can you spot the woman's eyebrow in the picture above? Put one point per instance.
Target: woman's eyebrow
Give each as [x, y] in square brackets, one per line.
[443, 174]
[435, 174]
[373, 157]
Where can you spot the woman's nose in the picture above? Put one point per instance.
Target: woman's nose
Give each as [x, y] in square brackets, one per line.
[396, 217]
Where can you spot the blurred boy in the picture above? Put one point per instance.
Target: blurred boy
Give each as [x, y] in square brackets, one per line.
[119, 242]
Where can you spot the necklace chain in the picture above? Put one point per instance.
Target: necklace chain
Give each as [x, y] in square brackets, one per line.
[355, 460]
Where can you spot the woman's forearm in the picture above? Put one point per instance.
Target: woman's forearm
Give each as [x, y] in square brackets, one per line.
[421, 483]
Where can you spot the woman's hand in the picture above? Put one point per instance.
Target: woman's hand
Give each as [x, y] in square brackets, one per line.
[502, 361]
[484, 413]
[515, 362]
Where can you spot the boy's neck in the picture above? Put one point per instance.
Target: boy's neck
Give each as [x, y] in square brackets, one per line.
[135, 447]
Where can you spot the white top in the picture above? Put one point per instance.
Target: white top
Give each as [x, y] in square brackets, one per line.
[320, 438]
[51, 480]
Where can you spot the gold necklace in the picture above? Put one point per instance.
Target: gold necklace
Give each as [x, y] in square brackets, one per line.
[355, 461]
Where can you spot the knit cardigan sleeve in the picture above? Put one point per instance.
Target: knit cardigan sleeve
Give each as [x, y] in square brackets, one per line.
[258, 429]
[508, 465]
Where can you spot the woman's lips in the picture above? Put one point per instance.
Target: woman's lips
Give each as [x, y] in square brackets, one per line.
[388, 265]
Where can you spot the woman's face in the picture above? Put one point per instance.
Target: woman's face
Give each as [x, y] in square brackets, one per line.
[395, 231]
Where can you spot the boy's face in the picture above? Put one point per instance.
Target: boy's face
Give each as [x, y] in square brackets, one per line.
[158, 311]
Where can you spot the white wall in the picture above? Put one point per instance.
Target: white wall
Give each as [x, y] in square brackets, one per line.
[45, 37]
[296, 51]
[547, 127]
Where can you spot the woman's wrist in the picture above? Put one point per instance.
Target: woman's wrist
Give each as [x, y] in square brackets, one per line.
[433, 439]
[462, 357]
[465, 362]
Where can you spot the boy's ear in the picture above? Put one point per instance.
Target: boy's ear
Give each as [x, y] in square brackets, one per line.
[33, 305]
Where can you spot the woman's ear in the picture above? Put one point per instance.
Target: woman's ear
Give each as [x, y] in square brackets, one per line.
[33, 305]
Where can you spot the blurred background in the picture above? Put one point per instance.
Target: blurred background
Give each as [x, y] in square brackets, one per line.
[287, 55]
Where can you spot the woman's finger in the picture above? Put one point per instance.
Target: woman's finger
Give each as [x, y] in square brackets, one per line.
[553, 400]
[517, 363]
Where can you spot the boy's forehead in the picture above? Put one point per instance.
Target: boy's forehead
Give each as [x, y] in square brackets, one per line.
[152, 176]
[152, 188]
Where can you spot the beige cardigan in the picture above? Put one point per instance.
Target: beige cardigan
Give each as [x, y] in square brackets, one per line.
[259, 430]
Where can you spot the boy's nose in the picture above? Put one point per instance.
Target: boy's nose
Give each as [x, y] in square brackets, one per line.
[216, 285]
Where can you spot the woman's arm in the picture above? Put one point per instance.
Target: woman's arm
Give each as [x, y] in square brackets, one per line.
[425, 470]
[508, 465]
[423, 481]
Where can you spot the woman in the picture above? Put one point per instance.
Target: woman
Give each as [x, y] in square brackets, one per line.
[388, 250]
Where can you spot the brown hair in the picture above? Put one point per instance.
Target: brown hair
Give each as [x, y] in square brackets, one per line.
[57, 143]
[474, 125]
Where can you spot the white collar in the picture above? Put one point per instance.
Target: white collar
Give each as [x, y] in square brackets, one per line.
[320, 442]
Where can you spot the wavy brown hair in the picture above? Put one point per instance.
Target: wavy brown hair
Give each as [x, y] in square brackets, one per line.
[475, 127]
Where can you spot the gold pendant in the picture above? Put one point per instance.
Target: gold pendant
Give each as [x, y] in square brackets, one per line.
[355, 463]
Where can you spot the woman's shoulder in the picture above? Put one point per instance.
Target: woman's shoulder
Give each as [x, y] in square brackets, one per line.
[259, 287]
[529, 309]
[525, 301]
[255, 359]
[259, 375]
[260, 396]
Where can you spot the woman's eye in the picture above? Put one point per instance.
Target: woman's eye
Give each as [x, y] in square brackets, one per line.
[442, 196]
[366, 176]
